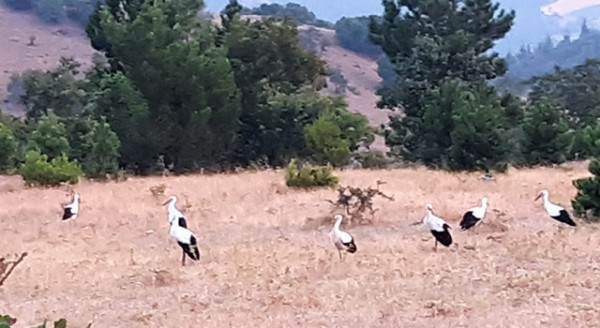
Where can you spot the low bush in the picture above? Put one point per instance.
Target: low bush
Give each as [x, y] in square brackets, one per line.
[38, 171]
[306, 176]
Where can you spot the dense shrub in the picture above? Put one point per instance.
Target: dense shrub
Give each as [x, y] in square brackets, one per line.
[8, 148]
[588, 193]
[38, 171]
[305, 176]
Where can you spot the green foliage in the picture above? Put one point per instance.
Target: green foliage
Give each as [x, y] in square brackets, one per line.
[56, 11]
[50, 137]
[372, 159]
[8, 148]
[463, 128]
[577, 89]
[196, 105]
[306, 176]
[7, 321]
[38, 171]
[427, 43]
[55, 91]
[547, 135]
[103, 145]
[298, 12]
[586, 142]
[335, 135]
[588, 192]
[353, 33]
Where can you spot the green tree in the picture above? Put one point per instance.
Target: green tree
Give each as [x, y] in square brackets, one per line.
[127, 112]
[588, 193]
[353, 33]
[427, 42]
[464, 128]
[103, 151]
[577, 89]
[8, 148]
[50, 137]
[186, 81]
[335, 135]
[546, 132]
[277, 79]
[57, 91]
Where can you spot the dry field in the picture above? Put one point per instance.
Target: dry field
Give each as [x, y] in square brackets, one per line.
[267, 262]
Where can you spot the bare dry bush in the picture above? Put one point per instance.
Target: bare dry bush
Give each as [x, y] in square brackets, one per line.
[356, 201]
[7, 267]
[158, 190]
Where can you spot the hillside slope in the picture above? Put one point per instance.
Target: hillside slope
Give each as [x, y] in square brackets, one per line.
[52, 42]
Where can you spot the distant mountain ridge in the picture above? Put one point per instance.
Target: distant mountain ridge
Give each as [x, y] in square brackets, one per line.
[531, 25]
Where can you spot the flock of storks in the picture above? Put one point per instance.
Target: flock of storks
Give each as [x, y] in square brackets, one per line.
[440, 229]
[343, 241]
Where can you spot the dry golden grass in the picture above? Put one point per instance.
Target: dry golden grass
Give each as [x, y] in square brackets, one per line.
[264, 265]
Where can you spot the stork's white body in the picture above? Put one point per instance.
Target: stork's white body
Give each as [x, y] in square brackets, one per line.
[438, 228]
[342, 240]
[70, 211]
[474, 216]
[556, 212]
[186, 240]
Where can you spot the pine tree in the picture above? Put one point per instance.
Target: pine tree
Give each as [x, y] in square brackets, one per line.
[428, 42]
[546, 133]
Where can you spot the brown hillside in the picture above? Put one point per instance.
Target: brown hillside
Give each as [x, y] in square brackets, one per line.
[51, 42]
[267, 262]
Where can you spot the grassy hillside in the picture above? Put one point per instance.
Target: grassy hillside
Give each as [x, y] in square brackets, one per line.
[51, 42]
[64, 40]
[267, 257]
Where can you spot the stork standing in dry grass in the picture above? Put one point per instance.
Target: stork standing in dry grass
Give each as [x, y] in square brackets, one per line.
[474, 215]
[174, 213]
[438, 227]
[71, 210]
[186, 240]
[556, 212]
[342, 240]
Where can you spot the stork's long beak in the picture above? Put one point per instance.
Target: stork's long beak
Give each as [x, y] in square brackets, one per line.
[538, 197]
[167, 202]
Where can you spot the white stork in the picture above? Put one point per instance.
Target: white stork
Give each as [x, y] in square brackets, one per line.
[438, 227]
[174, 213]
[71, 210]
[342, 240]
[474, 215]
[556, 212]
[186, 240]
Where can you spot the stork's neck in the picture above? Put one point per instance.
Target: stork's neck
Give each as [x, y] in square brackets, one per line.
[336, 226]
[171, 207]
[546, 200]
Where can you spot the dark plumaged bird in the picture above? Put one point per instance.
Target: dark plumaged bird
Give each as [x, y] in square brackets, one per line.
[71, 210]
[438, 227]
[474, 215]
[342, 240]
[556, 212]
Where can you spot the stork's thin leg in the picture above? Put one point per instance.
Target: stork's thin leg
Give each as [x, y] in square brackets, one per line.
[183, 259]
[435, 247]
[340, 254]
